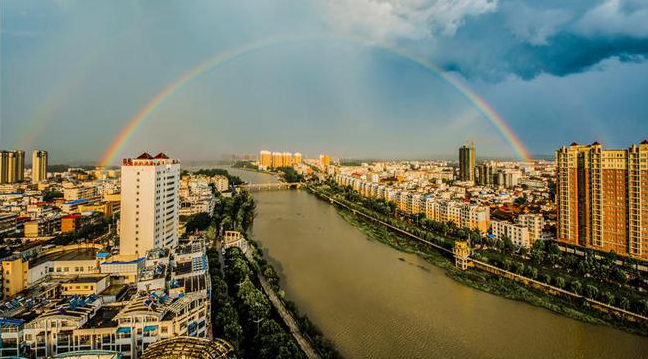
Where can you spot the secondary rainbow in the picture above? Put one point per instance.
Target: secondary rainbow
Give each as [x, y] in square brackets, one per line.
[62, 91]
[489, 113]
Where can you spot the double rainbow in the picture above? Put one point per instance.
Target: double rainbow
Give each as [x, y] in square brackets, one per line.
[136, 121]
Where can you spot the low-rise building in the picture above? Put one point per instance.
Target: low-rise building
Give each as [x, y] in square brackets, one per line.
[517, 233]
[43, 226]
[87, 285]
[8, 224]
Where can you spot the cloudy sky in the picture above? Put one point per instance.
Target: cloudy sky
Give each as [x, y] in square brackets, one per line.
[73, 73]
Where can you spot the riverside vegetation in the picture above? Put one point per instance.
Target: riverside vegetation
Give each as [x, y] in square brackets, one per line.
[592, 276]
[241, 312]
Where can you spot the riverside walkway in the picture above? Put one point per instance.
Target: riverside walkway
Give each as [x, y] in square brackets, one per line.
[287, 317]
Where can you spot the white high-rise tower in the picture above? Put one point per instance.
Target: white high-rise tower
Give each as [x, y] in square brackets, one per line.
[149, 203]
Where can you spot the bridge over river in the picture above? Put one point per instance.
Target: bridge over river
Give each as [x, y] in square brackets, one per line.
[270, 186]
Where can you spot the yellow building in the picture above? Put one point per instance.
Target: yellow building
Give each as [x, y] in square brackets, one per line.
[12, 166]
[106, 208]
[461, 252]
[287, 159]
[265, 159]
[31, 229]
[113, 197]
[277, 159]
[70, 223]
[42, 227]
[462, 214]
[14, 276]
[297, 158]
[325, 161]
[39, 166]
[85, 285]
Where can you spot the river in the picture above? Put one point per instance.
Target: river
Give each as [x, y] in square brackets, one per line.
[373, 301]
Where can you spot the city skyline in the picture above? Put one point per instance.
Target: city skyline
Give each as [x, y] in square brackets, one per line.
[323, 179]
[357, 88]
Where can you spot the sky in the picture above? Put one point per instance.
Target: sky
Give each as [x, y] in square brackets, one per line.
[324, 76]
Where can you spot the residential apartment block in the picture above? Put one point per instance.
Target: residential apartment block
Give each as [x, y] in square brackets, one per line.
[602, 198]
[39, 166]
[439, 209]
[149, 203]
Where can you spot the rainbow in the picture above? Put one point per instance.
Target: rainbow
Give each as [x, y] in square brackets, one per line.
[136, 121]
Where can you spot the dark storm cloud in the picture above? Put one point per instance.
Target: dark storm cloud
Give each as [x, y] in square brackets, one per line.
[524, 42]
[567, 54]
[493, 40]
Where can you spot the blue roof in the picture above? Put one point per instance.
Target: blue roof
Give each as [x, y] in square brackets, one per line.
[126, 262]
[77, 201]
[123, 330]
[11, 321]
[150, 328]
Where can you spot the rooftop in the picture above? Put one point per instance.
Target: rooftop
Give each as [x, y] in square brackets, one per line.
[89, 354]
[77, 201]
[88, 279]
[69, 255]
[104, 318]
[189, 348]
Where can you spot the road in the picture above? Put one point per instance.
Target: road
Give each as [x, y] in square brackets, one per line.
[287, 317]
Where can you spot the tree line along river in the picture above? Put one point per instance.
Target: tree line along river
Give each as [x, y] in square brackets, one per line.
[373, 301]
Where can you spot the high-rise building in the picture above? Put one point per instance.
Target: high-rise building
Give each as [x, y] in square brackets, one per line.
[265, 159]
[287, 159]
[12, 166]
[277, 159]
[325, 161]
[507, 178]
[20, 166]
[149, 203]
[602, 197]
[297, 158]
[39, 166]
[485, 172]
[3, 167]
[467, 162]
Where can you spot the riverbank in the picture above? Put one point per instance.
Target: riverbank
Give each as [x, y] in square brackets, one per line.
[309, 337]
[237, 315]
[487, 282]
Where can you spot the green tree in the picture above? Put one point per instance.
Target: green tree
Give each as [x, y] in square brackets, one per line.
[212, 232]
[642, 306]
[198, 221]
[624, 303]
[607, 297]
[273, 342]
[506, 264]
[590, 291]
[507, 245]
[537, 252]
[618, 275]
[576, 286]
